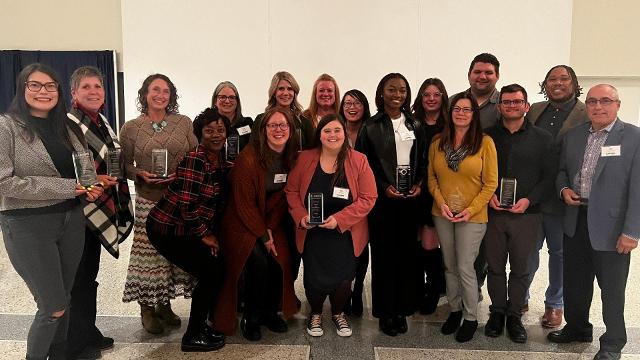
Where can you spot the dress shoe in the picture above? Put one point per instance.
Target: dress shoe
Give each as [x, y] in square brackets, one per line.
[552, 318]
[517, 332]
[250, 330]
[566, 336]
[104, 343]
[429, 304]
[388, 326]
[166, 314]
[356, 306]
[466, 331]
[213, 334]
[401, 324]
[149, 320]
[524, 308]
[276, 324]
[495, 325]
[607, 355]
[452, 324]
[200, 341]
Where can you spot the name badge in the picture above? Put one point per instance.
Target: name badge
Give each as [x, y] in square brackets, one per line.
[244, 130]
[340, 193]
[280, 178]
[613, 150]
[407, 135]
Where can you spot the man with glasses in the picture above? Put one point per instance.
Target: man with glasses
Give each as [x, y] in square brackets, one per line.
[559, 113]
[599, 170]
[525, 177]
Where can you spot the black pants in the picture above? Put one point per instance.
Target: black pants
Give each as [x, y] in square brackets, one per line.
[262, 285]
[581, 264]
[190, 254]
[429, 265]
[481, 266]
[338, 298]
[361, 271]
[82, 313]
[513, 237]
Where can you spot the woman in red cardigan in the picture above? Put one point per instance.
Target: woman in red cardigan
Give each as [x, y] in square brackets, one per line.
[330, 249]
[253, 231]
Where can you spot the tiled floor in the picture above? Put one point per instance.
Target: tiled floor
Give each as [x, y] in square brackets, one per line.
[424, 340]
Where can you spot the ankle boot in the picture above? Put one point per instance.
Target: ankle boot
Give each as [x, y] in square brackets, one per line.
[149, 320]
[164, 313]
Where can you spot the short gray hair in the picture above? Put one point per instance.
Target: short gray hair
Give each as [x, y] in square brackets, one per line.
[84, 72]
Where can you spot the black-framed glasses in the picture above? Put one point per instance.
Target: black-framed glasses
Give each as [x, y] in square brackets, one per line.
[281, 126]
[603, 101]
[231, 98]
[35, 86]
[516, 102]
[432, 96]
[464, 110]
[350, 104]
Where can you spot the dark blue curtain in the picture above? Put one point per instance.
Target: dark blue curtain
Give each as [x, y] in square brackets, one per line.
[64, 62]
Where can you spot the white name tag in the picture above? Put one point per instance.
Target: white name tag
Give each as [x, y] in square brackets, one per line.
[280, 178]
[407, 135]
[613, 150]
[340, 193]
[244, 130]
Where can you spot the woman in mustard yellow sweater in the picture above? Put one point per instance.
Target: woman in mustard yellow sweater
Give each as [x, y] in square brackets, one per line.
[463, 175]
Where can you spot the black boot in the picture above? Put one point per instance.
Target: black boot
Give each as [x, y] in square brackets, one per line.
[495, 325]
[452, 324]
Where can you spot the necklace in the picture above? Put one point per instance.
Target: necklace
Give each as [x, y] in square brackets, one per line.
[158, 126]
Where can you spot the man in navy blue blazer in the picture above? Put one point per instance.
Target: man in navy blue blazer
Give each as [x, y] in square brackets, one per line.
[599, 163]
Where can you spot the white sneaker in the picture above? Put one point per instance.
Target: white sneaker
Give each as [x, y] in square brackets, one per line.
[342, 325]
[314, 325]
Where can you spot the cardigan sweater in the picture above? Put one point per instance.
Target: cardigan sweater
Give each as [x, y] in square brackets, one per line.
[362, 186]
[138, 139]
[475, 181]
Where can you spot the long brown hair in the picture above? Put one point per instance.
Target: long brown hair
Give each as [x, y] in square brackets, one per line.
[339, 175]
[290, 153]
[473, 137]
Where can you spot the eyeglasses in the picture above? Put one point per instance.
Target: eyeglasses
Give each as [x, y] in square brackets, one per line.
[349, 104]
[281, 126]
[464, 110]
[35, 86]
[231, 98]
[516, 102]
[603, 101]
[432, 96]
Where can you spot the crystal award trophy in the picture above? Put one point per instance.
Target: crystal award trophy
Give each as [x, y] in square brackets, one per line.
[456, 202]
[577, 188]
[508, 192]
[113, 163]
[85, 168]
[404, 181]
[232, 147]
[315, 206]
[159, 163]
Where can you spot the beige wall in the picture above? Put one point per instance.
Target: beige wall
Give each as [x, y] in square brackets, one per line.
[605, 38]
[76, 25]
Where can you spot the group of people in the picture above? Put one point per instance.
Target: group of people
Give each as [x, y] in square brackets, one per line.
[444, 191]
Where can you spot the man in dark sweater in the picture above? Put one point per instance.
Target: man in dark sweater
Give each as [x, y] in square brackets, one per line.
[526, 172]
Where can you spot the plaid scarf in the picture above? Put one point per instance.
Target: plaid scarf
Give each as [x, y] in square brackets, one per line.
[110, 217]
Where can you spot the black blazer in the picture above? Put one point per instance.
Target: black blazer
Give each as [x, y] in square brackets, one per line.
[244, 139]
[377, 141]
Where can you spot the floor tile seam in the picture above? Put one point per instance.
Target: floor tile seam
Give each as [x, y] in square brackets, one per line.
[554, 351]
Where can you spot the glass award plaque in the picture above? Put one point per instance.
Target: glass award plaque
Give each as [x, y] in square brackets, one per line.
[232, 146]
[456, 202]
[113, 163]
[85, 168]
[577, 188]
[508, 192]
[159, 162]
[315, 206]
[404, 181]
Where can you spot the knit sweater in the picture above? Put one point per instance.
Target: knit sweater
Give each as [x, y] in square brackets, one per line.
[138, 139]
[474, 182]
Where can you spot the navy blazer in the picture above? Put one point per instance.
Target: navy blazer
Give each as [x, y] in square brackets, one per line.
[614, 201]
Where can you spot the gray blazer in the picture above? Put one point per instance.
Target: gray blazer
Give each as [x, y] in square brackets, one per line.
[614, 201]
[578, 115]
[28, 177]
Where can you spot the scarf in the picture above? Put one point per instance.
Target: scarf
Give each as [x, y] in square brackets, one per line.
[110, 217]
[455, 157]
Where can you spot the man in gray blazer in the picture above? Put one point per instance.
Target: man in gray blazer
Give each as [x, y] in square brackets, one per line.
[599, 164]
[562, 111]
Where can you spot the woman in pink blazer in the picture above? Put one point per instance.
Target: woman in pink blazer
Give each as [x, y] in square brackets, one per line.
[330, 247]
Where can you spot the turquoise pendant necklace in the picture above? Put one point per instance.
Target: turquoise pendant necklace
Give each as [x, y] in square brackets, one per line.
[158, 126]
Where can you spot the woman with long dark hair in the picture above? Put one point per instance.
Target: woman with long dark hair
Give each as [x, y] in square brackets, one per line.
[462, 177]
[330, 250]
[38, 187]
[395, 145]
